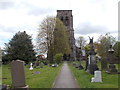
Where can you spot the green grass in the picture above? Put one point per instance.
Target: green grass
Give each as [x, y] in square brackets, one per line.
[43, 80]
[0, 74]
[84, 79]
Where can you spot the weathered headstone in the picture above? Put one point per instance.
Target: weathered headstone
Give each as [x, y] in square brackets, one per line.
[97, 77]
[18, 74]
[31, 68]
[41, 65]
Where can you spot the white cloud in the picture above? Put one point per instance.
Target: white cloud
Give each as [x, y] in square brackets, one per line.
[20, 15]
[103, 13]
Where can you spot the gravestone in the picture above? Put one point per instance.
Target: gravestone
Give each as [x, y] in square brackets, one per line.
[111, 59]
[31, 68]
[112, 68]
[74, 64]
[45, 63]
[83, 53]
[79, 66]
[78, 53]
[97, 77]
[92, 64]
[41, 65]
[79, 56]
[86, 65]
[34, 65]
[37, 63]
[18, 74]
[54, 65]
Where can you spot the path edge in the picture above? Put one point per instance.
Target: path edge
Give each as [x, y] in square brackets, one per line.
[56, 77]
[74, 76]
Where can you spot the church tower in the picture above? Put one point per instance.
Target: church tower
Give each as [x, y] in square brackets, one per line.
[66, 17]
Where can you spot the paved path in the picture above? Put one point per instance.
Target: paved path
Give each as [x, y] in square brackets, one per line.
[65, 78]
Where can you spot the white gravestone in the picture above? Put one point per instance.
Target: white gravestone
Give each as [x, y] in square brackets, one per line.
[31, 68]
[97, 77]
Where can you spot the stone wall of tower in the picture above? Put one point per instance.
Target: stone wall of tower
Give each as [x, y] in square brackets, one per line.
[66, 17]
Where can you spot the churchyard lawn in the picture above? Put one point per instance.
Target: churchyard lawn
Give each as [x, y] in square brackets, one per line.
[84, 78]
[36, 78]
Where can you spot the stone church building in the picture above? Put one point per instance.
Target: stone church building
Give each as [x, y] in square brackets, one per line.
[66, 17]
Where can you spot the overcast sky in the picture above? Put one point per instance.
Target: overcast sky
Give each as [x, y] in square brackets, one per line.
[91, 17]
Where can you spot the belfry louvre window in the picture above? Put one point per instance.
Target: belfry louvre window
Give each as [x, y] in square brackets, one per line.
[67, 21]
[66, 18]
[61, 18]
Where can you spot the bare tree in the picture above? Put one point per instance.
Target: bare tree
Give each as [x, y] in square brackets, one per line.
[45, 34]
[80, 42]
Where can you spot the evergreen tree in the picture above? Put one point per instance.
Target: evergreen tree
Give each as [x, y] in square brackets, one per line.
[20, 47]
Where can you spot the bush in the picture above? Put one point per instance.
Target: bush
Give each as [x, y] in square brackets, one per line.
[58, 58]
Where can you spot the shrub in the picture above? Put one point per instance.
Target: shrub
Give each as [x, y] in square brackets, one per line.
[58, 57]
